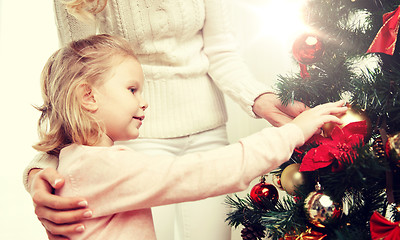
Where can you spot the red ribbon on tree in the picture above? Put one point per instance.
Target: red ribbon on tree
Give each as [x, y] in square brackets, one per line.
[381, 228]
[385, 39]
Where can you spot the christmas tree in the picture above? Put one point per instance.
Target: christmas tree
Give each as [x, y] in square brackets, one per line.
[345, 183]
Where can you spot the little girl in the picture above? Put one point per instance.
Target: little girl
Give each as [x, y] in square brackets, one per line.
[92, 98]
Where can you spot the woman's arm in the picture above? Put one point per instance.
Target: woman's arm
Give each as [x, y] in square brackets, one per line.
[53, 211]
[233, 76]
[227, 67]
[58, 215]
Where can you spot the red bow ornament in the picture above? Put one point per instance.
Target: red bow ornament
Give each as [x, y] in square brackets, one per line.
[381, 228]
[386, 37]
[340, 145]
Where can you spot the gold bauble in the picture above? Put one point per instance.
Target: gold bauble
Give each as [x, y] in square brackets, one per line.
[351, 115]
[291, 178]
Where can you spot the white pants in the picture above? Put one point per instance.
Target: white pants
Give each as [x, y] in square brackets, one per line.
[199, 220]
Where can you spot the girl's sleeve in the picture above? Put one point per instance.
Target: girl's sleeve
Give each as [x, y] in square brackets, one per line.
[227, 67]
[41, 161]
[69, 28]
[126, 180]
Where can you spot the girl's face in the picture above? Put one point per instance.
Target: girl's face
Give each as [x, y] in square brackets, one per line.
[120, 103]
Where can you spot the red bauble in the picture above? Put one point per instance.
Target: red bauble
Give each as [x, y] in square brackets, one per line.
[307, 49]
[264, 190]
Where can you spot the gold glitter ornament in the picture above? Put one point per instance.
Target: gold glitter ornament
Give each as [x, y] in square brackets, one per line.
[291, 178]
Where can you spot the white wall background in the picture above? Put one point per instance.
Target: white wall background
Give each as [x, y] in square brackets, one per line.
[28, 37]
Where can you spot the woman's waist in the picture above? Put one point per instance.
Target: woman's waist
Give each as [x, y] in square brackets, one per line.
[180, 107]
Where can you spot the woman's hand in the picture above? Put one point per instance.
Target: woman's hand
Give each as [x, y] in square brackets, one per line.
[270, 107]
[59, 215]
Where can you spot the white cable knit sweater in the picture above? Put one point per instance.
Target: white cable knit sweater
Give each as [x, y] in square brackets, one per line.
[183, 46]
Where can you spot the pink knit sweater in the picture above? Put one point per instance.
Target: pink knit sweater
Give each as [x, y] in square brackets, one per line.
[121, 185]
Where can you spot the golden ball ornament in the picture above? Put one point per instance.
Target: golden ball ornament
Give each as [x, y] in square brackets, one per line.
[321, 209]
[291, 178]
[350, 116]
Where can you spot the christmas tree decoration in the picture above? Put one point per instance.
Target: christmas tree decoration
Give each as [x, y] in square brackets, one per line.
[378, 148]
[393, 149]
[264, 190]
[253, 233]
[381, 228]
[340, 146]
[307, 49]
[291, 178]
[351, 115]
[309, 234]
[276, 180]
[321, 209]
[386, 38]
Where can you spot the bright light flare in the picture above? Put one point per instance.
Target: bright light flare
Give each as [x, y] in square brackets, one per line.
[280, 19]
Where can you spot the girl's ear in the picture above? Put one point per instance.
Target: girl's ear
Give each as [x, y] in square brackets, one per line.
[87, 98]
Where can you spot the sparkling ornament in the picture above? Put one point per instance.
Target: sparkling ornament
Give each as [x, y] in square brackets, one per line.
[291, 178]
[393, 149]
[321, 209]
[276, 180]
[378, 148]
[351, 115]
[307, 49]
[264, 190]
[309, 234]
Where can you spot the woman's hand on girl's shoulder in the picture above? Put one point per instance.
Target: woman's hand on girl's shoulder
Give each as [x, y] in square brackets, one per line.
[59, 215]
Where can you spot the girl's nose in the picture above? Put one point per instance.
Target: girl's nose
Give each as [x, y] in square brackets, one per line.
[144, 105]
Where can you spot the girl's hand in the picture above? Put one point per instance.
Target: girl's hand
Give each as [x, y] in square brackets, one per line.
[59, 215]
[310, 121]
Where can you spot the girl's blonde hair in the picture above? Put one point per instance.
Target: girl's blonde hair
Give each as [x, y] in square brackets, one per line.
[82, 63]
[85, 9]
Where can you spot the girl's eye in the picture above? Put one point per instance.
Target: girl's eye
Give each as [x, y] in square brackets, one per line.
[133, 90]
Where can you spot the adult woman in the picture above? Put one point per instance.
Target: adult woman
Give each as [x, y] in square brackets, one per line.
[186, 50]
